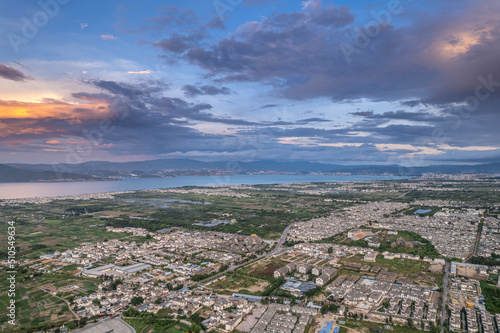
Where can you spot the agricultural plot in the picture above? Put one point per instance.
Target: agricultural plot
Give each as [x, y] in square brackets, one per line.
[42, 299]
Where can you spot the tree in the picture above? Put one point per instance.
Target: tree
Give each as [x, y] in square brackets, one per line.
[195, 328]
[136, 300]
[82, 322]
[330, 250]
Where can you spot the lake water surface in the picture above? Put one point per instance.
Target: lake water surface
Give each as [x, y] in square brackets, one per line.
[51, 189]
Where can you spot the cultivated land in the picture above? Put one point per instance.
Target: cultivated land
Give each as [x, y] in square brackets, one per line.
[170, 260]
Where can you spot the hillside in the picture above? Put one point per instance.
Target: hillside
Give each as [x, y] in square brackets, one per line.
[14, 175]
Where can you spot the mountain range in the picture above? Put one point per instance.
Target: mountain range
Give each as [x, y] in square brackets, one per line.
[97, 170]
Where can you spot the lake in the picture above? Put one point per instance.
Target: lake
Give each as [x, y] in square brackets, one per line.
[54, 189]
[421, 211]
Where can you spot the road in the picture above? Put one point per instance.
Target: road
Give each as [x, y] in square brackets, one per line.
[232, 268]
[402, 195]
[281, 240]
[478, 239]
[444, 296]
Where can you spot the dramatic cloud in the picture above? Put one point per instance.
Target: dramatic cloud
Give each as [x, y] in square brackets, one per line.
[136, 117]
[374, 82]
[319, 52]
[12, 74]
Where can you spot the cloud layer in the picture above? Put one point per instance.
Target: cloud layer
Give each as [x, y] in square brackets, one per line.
[386, 83]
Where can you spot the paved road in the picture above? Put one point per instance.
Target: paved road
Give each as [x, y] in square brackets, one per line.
[444, 296]
[116, 325]
[402, 195]
[281, 240]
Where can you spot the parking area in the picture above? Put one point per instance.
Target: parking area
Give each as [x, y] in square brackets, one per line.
[109, 326]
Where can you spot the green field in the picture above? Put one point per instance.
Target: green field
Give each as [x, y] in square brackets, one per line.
[36, 305]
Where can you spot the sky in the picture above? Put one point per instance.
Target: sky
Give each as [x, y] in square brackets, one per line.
[403, 82]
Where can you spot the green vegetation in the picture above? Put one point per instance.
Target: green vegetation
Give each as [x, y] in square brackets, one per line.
[458, 191]
[242, 283]
[391, 243]
[263, 209]
[136, 300]
[276, 283]
[484, 261]
[50, 228]
[491, 296]
[36, 308]
[417, 271]
[141, 320]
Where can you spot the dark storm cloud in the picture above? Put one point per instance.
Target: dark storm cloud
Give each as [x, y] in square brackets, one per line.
[434, 57]
[12, 74]
[193, 91]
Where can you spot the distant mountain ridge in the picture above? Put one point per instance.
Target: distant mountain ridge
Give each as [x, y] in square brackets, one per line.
[10, 174]
[179, 167]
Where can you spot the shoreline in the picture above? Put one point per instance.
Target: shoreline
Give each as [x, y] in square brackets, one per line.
[210, 181]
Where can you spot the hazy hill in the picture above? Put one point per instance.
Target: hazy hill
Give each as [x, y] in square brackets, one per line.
[10, 174]
[177, 167]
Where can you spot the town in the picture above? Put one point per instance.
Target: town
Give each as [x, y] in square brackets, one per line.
[381, 265]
